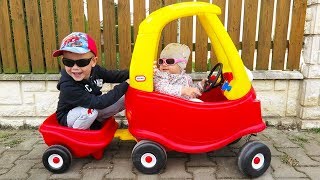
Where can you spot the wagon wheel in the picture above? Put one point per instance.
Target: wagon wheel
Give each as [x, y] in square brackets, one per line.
[254, 159]
[148, 157]
[57, 159]
[212, 83]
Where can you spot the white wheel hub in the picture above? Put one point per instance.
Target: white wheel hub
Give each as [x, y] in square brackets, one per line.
[55, 161]
[148, 160]
[257, 161]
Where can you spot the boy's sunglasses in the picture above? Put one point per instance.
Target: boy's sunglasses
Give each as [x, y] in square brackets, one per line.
[79, 62]
[170, 61]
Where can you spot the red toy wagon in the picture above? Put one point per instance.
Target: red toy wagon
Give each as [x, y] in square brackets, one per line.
[65, 143]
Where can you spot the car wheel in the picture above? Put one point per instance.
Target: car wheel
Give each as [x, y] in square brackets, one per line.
[254, 159]
[148, 157]
[57, 159]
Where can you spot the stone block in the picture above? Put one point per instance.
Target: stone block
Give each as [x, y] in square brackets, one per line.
[175, 169]
[263, 85]
[17, 110]
[280, 85]
[311, 49]
[52, 86]
[46, 103]
[309, 124]
[312, 19]
[310, 92]
[313, 172]
[282, 170]
[311, 2]
[12, 122]
[28, 98]
[34, 121]
[312, 113]
[33, 86]
[273, 103]
[293, 105]
[311, 70]
[10, 92]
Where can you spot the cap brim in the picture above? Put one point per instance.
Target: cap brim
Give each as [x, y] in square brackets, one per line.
[77, 50]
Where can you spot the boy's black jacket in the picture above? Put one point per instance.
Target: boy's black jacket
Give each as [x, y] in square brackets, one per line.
[87, 94]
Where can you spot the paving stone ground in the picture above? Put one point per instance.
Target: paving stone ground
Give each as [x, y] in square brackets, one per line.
[295, 156]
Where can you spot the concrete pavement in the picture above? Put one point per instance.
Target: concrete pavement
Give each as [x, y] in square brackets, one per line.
[295, 156]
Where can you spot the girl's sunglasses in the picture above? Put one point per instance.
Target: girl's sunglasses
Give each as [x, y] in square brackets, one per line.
[79, 62]
[170, 61]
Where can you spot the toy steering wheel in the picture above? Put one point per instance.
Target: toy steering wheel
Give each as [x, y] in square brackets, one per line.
[212, 83]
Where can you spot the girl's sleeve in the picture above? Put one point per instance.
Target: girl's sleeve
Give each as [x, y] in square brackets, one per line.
[162, 84]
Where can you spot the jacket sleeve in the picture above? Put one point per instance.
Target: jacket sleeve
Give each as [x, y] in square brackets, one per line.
[113, 76]
[80, 97]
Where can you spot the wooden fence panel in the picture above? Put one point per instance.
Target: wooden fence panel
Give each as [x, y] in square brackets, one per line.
[264, 38]
[249, 32]
[222, 5]
[296, 35]
[77, 15]
[280, 37]
[27, 45]
[34, 34]
[170, 30]
[201, 48]
[139, 10]
[109, 34]
[19, 33]
[124, 30]
[94, 29]
[186, 28]
[6, 43]
[49, 35]
[63, 19]
[234, 21]
[154, 5]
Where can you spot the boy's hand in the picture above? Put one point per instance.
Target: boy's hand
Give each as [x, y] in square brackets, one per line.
[128, 81]
[191, 92]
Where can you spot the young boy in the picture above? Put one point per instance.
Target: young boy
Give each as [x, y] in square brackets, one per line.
[80, 101]
[171, 78]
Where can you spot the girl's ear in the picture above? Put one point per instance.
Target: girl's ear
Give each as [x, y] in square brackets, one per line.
[94, 61]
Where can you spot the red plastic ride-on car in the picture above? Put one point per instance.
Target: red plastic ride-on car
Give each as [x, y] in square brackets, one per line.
[228, 112]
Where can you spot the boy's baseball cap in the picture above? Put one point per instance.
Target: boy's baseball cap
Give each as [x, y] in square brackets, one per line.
[177, 51]
[77, 42]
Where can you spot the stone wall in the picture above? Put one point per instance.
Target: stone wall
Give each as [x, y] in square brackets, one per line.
[310, 98]
[29, 99]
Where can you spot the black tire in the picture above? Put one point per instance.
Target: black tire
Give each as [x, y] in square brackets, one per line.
[57, 159]
[148, 157]
[254, 159]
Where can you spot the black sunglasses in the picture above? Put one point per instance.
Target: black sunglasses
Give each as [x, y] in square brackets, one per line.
[79, 62]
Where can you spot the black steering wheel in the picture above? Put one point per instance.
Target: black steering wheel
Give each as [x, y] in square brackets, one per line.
[212, 83]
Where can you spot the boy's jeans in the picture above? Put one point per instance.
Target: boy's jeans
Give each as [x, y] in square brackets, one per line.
[82, 118]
